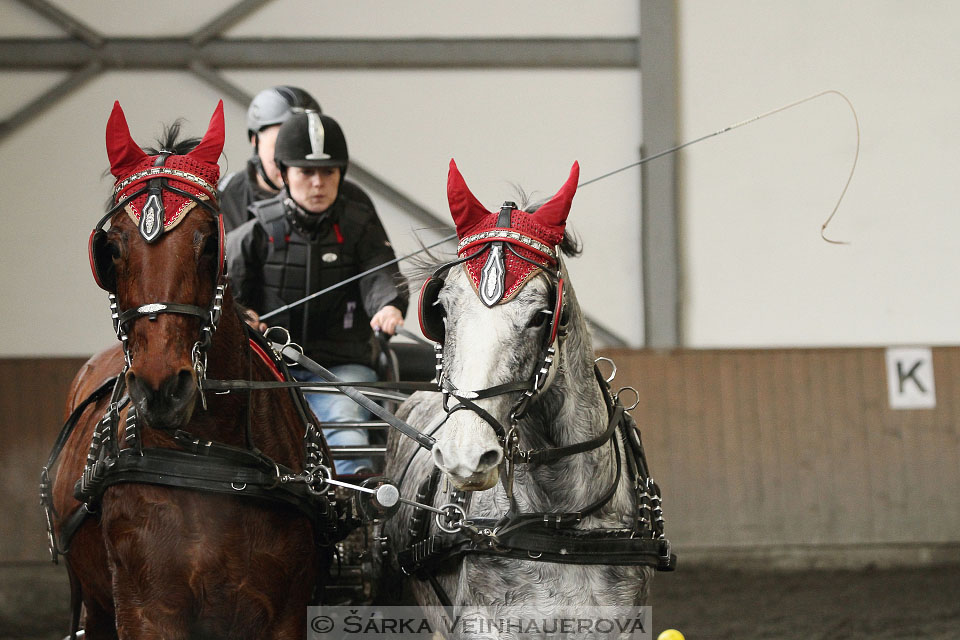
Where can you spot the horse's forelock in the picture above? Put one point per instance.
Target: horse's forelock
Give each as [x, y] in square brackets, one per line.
[169, 141]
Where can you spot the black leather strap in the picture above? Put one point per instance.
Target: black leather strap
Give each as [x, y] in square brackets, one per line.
[154, 309]
[71, 423]
[242, 385]
[172, 468]
[546, 456]
[425, 441]
[570, 547]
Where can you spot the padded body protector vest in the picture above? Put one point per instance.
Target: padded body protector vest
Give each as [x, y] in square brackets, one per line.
[333, 328]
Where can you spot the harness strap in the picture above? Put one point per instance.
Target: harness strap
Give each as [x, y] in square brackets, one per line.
[183, 470]
[560, 520]
[173, 468]
[242, 385]
[196, 446]
[153, 309]
[71, 422]
[425, 441]
[70, 526]
[484, 415]
[618, 548]
[545, 456]
[489, 392]
[550, 537]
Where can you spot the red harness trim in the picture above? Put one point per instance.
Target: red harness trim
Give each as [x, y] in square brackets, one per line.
[257, 349]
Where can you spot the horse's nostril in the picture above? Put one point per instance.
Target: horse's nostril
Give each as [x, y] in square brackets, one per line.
[178, 386]
[490, 459]
[437, 456]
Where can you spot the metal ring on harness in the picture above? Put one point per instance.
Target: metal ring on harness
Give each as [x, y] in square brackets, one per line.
[635, 402]
[324, 473]
[233, 485]
[455, 524]
[276, 477]
[282, 330]
[613, 366]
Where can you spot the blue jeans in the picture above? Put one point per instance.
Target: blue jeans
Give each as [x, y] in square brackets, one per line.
[336, 407]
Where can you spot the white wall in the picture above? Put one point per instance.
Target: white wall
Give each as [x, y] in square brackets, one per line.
[756, 271]
[503, 127]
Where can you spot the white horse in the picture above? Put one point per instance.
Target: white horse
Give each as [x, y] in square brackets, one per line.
[555, 510]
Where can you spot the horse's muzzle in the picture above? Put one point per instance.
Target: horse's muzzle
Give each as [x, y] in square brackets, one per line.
[168, 407]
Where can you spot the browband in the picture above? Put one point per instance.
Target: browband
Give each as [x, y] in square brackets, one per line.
[511, 236]
[165, 172]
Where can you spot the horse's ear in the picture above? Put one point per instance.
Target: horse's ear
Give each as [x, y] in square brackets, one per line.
[464, 207]
[211, 146]
[123, 152]
[553, 214]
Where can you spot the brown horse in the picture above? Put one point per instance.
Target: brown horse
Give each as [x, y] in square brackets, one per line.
[162, 561]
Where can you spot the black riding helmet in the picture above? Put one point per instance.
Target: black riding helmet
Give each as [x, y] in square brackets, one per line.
[311, 139]
[275, 106]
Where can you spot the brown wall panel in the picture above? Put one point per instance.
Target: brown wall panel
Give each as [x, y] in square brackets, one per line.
[33, 393]
[796, 447]
[779, 448]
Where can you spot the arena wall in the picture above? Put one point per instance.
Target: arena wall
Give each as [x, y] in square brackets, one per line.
[780, 456]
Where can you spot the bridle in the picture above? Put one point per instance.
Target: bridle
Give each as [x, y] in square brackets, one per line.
[498, 241]
[153, 182]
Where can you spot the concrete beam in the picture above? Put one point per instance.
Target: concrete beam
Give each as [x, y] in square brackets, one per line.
[179, 53]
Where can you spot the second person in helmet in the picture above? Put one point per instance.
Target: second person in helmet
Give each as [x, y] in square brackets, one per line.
[261, 179]
[307, 238]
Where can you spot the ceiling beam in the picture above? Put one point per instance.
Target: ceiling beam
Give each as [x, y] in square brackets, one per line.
[65, 21]
[231, 16]
[39, 105]
[179, 53]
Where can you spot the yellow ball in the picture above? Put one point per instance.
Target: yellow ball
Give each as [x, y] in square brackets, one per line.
[670, 634]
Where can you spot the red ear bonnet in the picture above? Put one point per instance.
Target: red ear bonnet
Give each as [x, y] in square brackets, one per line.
[196, 172]
[466, 210]
[534, 236]
[125, 154]
[210, 148]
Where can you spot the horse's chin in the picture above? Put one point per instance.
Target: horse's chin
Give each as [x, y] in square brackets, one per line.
[475, 482]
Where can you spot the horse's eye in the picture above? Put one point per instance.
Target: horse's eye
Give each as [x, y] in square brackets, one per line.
[210, 248]
[539, 319]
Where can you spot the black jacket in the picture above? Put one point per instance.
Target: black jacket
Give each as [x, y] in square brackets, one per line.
[240, 189]
[272, 262]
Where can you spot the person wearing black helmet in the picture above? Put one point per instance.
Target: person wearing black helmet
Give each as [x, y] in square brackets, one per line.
[260, 179]
[307, 238]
